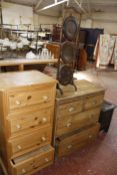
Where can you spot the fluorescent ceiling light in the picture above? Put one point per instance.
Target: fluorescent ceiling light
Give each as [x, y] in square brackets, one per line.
[52, 5]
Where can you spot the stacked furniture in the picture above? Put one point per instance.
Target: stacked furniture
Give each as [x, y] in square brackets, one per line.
[76, 116]
[26, 121]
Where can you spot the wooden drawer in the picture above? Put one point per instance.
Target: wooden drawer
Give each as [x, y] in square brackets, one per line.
[30, 141]
[69, 108]
[71, 143]
[67, 124]
[33, 161]
[93, 101]
[17, 100]
[27, 121]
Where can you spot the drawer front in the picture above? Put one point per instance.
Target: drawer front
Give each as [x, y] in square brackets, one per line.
[25, 99]
[32, 162]
[76, 141]
[93, 101]
[20, 145]
[70, 108]
[23, 122]
[75, 122]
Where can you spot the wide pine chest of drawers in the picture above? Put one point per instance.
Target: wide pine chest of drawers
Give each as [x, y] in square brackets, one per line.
[76, 116]
[26, 121]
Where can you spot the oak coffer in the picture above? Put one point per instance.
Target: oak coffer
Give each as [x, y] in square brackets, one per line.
[76, 116]
[26, 121]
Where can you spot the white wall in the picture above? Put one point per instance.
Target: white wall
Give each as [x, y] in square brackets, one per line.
[109, 27]
[20, 14]
[17, 14]
[86, 23]
[45, 21]
[107, 21]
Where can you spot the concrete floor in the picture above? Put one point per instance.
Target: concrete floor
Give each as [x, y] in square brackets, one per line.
[99, 158]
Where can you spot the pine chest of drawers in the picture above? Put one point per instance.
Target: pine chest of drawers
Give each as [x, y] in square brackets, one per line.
[26, 121]
[76, 116]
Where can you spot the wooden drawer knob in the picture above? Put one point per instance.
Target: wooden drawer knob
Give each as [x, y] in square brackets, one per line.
[69, 146]
[94, 102]
[90, 136]
[45, 98]
[19, 147]
[17, 102]
[43, 139]
[44, 119]
[68, 125]
[29, 97]
[46, 159]
[18, 126]
[91, 116]
[23, 171]
[71, 109]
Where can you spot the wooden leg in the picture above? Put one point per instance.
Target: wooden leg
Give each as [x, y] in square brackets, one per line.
[21, 67]
[3, 167]
[58, 87]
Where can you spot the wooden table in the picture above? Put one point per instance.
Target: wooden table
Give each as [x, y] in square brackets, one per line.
[21, 62]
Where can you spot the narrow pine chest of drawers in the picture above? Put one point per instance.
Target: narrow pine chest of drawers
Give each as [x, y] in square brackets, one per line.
[26, 121]
[76, 116]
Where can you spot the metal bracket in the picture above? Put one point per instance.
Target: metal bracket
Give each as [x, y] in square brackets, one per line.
[58, 87]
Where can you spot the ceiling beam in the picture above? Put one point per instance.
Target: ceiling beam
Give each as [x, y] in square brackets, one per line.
[80, 6]
[56, 2]
[18, 3]
[89, 7]
[101, 3]
[38, 4]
